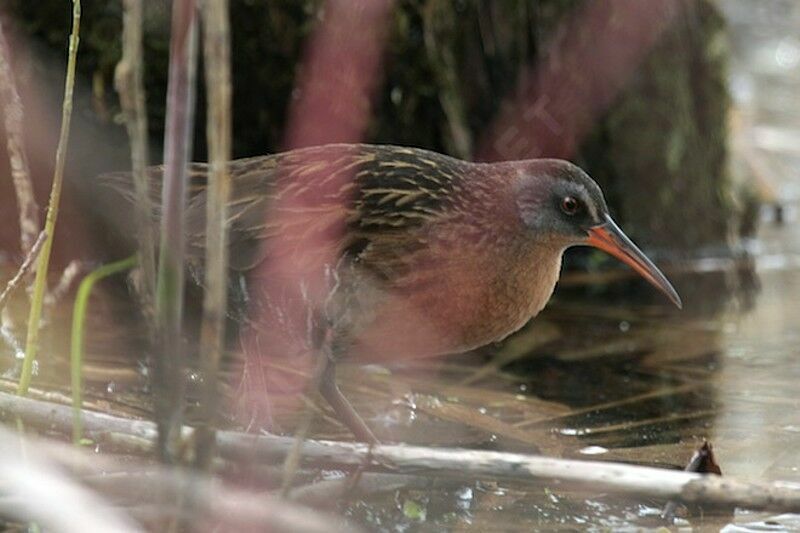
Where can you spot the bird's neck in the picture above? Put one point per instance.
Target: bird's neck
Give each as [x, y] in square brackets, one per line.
[507, 289]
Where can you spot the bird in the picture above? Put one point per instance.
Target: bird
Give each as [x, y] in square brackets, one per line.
[412, 253]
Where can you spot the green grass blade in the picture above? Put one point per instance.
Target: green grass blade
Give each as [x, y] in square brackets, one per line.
[78, 323]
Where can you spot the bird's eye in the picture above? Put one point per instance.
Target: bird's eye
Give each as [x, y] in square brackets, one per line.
[570, 205]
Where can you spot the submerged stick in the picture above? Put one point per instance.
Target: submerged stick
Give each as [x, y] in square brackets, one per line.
[168, 377]
[129, 82]
[330, 491]
[640, 481]
[40, 282]
[216, 38]
[702, 461]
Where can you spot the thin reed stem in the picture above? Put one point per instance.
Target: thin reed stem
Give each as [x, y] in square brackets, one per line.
[216, 39]
[40, 282]
[129, 82]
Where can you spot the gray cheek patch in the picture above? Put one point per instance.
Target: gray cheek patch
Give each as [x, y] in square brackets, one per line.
[590, 205]
[531, 212]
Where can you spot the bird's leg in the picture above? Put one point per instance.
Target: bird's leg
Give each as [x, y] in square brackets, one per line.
[338, 310]
[347, 414]
[319, 332]
[329, 390]
[323, 380]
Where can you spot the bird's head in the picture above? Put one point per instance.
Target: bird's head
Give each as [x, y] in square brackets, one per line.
[561, 205]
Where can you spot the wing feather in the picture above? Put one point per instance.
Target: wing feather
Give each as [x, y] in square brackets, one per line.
[373, 198]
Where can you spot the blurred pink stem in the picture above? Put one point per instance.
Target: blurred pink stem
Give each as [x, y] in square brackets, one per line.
[29, 223]
[168, 379]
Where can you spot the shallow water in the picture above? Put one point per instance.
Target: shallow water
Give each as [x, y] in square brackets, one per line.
[608, 373]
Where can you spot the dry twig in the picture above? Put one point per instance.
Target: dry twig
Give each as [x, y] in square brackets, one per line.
[64, 285]
[129, 82]
[23, 269]
[216, 38]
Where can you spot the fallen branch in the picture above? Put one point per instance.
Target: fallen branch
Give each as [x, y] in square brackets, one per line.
[685, 487]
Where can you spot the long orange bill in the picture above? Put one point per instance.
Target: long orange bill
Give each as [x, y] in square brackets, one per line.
[609, 238]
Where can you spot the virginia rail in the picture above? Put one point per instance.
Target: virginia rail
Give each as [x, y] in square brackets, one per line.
[431, 255]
